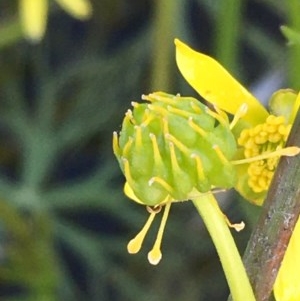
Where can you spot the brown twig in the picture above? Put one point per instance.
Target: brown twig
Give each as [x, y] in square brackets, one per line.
[279, 215]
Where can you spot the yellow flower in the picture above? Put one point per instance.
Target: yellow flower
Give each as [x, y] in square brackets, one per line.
[262, 141]
[33, 14]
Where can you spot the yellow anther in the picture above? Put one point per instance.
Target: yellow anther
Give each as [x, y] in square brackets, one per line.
[288, 151]
[135, 244]
[197, 128]
[157, 156]
[220, 154]
[155, 255]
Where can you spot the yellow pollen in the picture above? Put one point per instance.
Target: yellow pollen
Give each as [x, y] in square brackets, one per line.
[155, 255]
[263, 145]
[135, 244]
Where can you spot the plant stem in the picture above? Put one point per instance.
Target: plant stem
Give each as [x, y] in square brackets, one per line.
[165, 26]
[293, 7]
[217, 227]
[269, 240]
[227, 32]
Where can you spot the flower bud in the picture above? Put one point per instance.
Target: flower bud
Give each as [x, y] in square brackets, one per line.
[172, 146]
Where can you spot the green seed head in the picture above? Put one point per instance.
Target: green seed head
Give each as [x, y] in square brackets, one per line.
[172, 146]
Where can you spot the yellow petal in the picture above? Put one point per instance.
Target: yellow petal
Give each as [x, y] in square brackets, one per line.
[33, 15]
[79, 9]
[215, 84]
[129, 192]
[287, 286]
[295, 109]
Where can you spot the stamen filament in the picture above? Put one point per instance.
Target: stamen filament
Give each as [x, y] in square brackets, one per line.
[216, 116]
[288, 151]
[155, 255]
[135, 244]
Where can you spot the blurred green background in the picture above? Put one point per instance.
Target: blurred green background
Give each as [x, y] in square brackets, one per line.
[64, 221]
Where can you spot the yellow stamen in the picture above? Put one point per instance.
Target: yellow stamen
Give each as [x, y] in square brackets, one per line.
[238, 227]
[241, 112]
[288, 151]
[216, 116]
[155, 255]
[135, 244]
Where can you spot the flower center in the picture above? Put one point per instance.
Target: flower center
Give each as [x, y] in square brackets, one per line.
[264, 139]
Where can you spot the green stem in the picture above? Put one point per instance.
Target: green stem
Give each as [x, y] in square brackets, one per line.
[227, 32]
[165, 27]
[294, 51]
[230, 258]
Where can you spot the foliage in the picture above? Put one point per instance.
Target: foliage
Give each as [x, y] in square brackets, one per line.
[64, 222]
